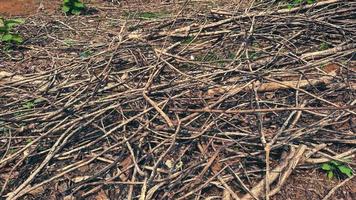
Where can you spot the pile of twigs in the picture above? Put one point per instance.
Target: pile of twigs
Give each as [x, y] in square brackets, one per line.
[227, 103]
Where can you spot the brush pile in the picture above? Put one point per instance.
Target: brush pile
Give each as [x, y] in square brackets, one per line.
[226, 103]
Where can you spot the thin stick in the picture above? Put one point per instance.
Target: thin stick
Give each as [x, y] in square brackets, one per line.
[332, 191]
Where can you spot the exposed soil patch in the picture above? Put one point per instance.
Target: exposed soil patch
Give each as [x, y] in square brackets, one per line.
[313, 184]
[26, 7]
[178, 100]
[18, 7]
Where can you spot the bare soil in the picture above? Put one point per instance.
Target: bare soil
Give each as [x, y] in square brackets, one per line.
[110, 78]
[27, 7]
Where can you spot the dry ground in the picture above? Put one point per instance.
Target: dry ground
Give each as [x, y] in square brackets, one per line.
[127, 90]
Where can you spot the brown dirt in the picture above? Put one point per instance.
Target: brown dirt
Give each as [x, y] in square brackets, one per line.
[313, 184]
[25, 7]
[302, 184]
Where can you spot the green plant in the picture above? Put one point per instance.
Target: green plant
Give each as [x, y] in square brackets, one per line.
[324, 46]
[7, 33]
[69, 42]
[295, 3]
[254, 55]
[333, 167]
[85, 54]
[31, 104]
[74, 7]
[29, 140]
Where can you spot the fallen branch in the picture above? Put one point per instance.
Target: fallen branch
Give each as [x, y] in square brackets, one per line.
[262, 110]
[283, 170]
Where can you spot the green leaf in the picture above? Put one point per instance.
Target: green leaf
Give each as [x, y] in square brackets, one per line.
[345, 170]
[68, 42]
[13, 22]
[76, 11]
[6, 38]
[19, 20]
[324, 46]
[65, 8]
[78, 5]
[330, 174]
[3, 30]
[38, 101]
[29, 105]
[66, 1]
[17, 38]
[326, 167]
[335, 163]
[85, 54]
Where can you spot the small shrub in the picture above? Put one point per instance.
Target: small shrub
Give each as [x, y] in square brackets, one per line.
[74, 7]
[7, 33]
[333, 167]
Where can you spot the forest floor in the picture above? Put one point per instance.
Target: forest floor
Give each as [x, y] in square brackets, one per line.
[196, 99]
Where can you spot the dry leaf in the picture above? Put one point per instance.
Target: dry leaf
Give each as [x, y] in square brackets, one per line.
[84, 168]
[331, 68]
[37, 191]
[69, 197]
[216, 167]
[126, 163]
[80, 178]
[125, 76]
[169, 164]
[179, 165]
